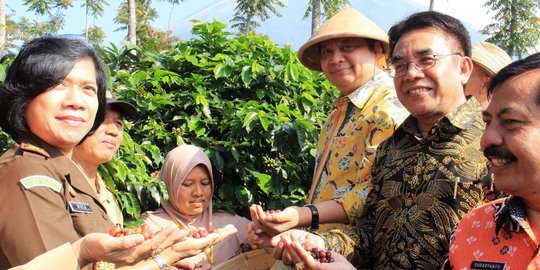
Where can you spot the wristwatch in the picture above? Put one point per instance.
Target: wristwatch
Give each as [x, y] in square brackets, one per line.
[314, 216]
[161, 262]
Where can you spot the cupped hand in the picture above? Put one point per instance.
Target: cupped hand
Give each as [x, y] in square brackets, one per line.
[301, 257]
[129, 249]
[275, 222]
[302, 237]
[192, 246]
[257, 237]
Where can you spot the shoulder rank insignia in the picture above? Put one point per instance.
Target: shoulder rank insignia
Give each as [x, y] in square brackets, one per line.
[41, 181]
[34, 149]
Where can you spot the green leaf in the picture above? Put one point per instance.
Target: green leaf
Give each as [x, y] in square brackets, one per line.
[292, 72]
[244, 195]
[263, 118]
[155, 194]
[246, 76]
[264, 182]
[221, 70]
[248, 121]
[121, 170]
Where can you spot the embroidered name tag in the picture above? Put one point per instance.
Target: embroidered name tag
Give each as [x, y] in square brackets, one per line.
[79, 207]
[480, 265]
[41, 181]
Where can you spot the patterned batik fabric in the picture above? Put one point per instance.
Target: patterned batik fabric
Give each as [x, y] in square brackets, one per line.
[496, 235]
[422, 187]
[346, 150]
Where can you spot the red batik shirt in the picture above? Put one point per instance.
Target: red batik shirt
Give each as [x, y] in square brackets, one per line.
[496, 235]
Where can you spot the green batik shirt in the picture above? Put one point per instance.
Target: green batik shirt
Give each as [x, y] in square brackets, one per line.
[422, 187]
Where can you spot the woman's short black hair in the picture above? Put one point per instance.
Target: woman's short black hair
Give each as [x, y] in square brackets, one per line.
[41, 64]
[431, 19]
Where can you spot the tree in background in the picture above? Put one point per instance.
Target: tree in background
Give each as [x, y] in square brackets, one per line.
[145, 33]
[247, 11]
[94, 8]
[96, 35]
[132, 21]
[26, 29]
[516, 27]
[320, 9]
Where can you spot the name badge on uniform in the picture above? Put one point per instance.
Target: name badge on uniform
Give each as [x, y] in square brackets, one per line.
[487, 265]
[79, 207]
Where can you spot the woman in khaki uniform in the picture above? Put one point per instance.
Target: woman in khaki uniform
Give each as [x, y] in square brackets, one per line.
[52, 97]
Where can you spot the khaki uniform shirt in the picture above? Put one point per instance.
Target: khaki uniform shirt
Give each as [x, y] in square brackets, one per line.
[45, 202]
[60, 258]
[106, 198]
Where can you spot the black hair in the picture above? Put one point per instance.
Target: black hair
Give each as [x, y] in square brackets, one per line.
[431, 19]
[514, 69]
[41, 64]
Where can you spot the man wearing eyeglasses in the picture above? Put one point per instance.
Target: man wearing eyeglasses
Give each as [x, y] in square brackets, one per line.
[431, 171]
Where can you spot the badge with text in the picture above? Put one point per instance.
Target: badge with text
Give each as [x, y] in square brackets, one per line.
[480, 265]
[79, 207]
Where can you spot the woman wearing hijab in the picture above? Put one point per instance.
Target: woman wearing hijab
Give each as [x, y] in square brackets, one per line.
[187, 173]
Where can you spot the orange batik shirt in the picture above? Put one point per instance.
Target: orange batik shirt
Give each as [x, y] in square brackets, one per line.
[495, 236]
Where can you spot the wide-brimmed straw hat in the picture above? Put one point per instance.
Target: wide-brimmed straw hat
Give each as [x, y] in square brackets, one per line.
[347, 23]
[490, 57]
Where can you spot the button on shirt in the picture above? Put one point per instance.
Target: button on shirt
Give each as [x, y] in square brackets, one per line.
[497, 235]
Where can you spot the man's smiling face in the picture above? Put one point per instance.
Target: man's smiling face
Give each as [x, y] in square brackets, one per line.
[511, 139]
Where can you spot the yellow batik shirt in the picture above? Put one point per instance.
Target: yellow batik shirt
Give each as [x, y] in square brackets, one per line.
[347, 145]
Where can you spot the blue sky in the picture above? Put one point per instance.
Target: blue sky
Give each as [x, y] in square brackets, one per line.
[75, 16]
[290, 29]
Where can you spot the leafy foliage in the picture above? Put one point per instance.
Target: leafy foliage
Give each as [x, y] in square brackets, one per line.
[250, 104]
[247, 11]
[516, 27]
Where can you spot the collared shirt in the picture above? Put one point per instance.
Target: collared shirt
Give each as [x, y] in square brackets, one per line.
[347, 145]
[422, 188]
[349, 138]
[495, 236]
[46, 202]
[106, 198]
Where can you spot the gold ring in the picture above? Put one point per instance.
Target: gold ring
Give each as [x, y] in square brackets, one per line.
[299, 266]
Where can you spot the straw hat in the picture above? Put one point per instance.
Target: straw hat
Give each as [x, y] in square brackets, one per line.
[490, 57]
[348, 22]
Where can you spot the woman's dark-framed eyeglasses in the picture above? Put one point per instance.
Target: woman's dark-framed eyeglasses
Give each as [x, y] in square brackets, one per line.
[400, 67]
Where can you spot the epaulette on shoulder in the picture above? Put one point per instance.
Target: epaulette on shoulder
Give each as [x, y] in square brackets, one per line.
[34, 149]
